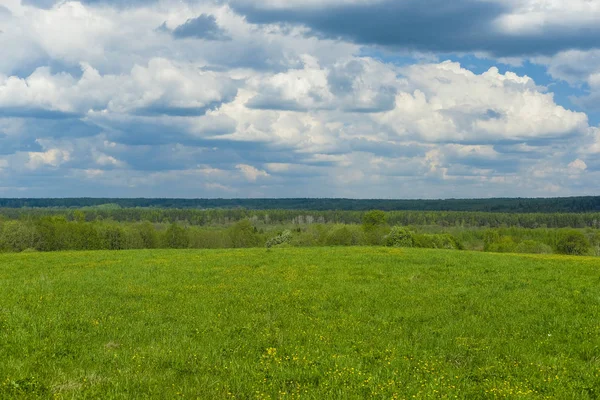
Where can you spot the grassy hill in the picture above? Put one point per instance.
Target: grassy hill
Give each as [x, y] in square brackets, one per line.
[313, 323]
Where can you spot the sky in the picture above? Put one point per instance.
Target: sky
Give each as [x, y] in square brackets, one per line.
[299, 98]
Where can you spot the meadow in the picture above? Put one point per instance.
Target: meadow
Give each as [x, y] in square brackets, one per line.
[316, 323]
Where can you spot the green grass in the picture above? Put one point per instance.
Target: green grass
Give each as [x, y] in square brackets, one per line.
[311, 323]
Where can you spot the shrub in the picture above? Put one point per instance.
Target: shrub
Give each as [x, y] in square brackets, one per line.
[148, 235]
[282, 238]
[340, 237]
[311, 236]
[533, 247]
[437, 241]
[400, 237]
[373, 219]
[176, 237]
[375, 227]
[505, 244]
[244, 234]
[490, 237]
[572, 243]
[17, 236]
[112, 237]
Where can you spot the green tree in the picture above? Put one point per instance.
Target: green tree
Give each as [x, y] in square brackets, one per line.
[373, 220]
[341, 236]
[244, 234]
[400, 237]
[374, 225]
[176, 237]
[572, 242]
[112, 237]
[533, 247]
[18, 236]
[148, 235]
[490, 238]
[505, 244]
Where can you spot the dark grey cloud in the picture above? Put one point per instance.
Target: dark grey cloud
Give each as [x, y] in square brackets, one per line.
[142, 131]
[46, 128]
[10, 145]
[35, 113]
[435, 25]
[273, 100]
[387, 149]
[589, 103]
[221, 154]
[202, 27]
[341, 80]
[507, 164]
[168, 110]
[62, 128]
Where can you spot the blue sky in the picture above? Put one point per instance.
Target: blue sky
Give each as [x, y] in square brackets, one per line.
[299, 98]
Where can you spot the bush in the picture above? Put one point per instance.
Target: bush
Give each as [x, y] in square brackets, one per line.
[244, 234]
[283, 238]
[572, 243]
[176, 237]
[490, 237]
[533, 247]
[17, 236]
[505, 244]
[341, 236]
[310, 236]
[400, 237]
[112, 237]
[148, 235]
[373, 219]
[437, 241]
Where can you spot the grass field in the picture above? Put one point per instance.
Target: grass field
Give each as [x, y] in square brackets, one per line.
[299, 323]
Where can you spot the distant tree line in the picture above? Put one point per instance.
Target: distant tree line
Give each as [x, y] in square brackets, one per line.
[499, 205]
[218, 217]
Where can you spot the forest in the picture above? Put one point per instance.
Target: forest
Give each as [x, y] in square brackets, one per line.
[504, 205]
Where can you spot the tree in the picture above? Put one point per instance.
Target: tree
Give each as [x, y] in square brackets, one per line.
[244, 234]
[341, 236]
[375, 226]
[148, 235]
[18, 236]
[176, 237]
[572, 242]
[113, 237]
[400, 237]
[373, 219]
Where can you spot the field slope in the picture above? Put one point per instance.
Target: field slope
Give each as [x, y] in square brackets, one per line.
[311, 323]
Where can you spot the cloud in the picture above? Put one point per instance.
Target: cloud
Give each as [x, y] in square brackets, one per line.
[251, 173]
[4, 12]
[160, 88]
[580, 69]
[578, 166]
[573, 66]
[52, 158]
[47, 4]
[354, 85]
[303, 98]
[502, 28]
[202, 27]
[450, 103]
